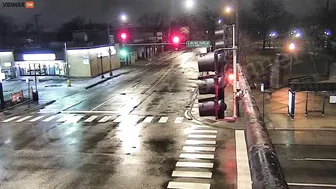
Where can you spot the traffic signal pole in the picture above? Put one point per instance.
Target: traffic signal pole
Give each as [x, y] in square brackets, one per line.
[234, 72]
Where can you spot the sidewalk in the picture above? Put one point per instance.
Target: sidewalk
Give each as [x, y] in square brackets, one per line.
[276, 113]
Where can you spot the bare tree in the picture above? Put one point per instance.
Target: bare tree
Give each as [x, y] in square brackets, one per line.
[268, 13]
[152, 21]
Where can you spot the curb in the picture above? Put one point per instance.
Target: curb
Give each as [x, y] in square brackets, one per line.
[32, 109]
[108, 78]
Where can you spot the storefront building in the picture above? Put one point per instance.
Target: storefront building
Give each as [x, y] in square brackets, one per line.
[40, 62]
[7, 70]
[93, 61]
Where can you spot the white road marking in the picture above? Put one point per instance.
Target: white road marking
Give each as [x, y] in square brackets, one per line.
[204, 131]
[188, 185]
[192, 174]
[64, 118]
[148, 119]
[200, 142]
[119, 119]
[163, 120]
[179, 120]
[197, 156]
[314, 159]
[104, 119]
[194, 164]
[312, 185]
[202, 136]
[102, 103]
[22, 119]
[36, 119]
[200, 127]
[198, 148]
[74, 119]
[243, 170]
[10, 119]
[50, 118]
[91, 112]
[90, 119]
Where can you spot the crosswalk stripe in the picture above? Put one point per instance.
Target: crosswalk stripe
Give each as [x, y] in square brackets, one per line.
[104, 119]
[194, 164]
[119, 119]
[203, 131]
[194, 142]
[197, 156]
[37, 118]
[192, 174]
[163, 120]
[200, 127]
[198, 148]
[74, 119]
[10, 119]
[90, 119]
[50, 118]
[148, 119]
[64, 118]
[179, 120]
[202, 136]
[22, 119]
[187, 185]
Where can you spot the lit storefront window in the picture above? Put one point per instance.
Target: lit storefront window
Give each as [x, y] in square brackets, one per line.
[43, 68]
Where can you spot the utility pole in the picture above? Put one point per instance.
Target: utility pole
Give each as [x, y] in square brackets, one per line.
[36, 16]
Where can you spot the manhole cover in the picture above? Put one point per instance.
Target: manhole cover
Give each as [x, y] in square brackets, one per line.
[53, 86]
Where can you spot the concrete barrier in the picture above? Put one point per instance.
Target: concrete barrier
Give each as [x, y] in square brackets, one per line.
[266, 172]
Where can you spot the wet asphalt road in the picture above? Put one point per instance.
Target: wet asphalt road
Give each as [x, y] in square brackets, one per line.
[129, 132]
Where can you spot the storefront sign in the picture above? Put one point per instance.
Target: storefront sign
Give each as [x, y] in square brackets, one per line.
[39, 57]
[17, 97]
[86, 60]
[7, 64]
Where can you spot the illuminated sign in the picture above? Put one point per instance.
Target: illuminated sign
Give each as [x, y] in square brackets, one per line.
[96, 51]
[39, 57]
[7, 64]
[6, 53]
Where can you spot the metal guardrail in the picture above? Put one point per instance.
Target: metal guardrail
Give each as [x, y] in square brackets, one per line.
[266, 172]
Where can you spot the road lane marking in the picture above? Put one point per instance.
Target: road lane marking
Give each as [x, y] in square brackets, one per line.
[22, 119]
[179, 120]
[192, 174]
[50, 118]
[10, 119]
[90, 119]
[163, 120]
[200, 142]
[314, 159]
[74, 119]
[203, 131]
[187, 185]
[197, 156]
[194, 164]
[312, 185]
[64, 118]
[104, 119]
[148, 119]
[201, 136]
[90, 112]
[243, 170]
[102, 104]
[200, 127]
[36, 119]
[119, 119]
[198, 148]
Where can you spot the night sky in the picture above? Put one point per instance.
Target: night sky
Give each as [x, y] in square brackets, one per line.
[55, 12]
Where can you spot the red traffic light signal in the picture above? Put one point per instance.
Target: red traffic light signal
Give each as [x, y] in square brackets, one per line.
[230, 77]
[176, 39]
[123, 36]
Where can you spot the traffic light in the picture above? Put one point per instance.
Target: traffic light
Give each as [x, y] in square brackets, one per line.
[212, 84]
[123, 52]
[124, 37]
[176, 39]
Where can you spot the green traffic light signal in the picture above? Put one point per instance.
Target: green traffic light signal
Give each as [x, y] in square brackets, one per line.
[123, 52]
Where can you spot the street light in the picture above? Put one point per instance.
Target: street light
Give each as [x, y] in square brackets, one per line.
[228, 9]
[291, 48]
[189, 3]
[122, 17]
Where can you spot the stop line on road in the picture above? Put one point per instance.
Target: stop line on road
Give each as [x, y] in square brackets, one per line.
[76, 118]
